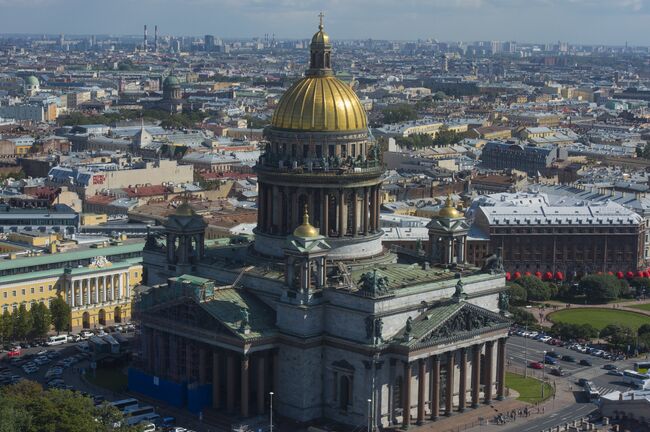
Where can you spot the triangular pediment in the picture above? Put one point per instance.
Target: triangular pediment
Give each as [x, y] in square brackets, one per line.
[449, 322]
[448, 225]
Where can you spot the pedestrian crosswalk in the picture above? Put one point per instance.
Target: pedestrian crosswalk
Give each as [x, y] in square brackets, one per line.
[603, 390]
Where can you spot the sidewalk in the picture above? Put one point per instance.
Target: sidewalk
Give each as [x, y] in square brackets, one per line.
[469, 419]
[564, 397]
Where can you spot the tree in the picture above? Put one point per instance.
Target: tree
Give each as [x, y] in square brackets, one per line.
[41, 320]
[641, 286]
[643, 152]
[398, 113]
[644, 329]
[22, 323]
[6, 326]
[601, 288]
[60, 311]
[518, 294]
[568, 331]
[522, 317]
[536, 289]
[26, 407]
[618, 336]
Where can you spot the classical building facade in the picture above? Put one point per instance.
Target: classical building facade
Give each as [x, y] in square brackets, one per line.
[315, 309]
[97, 283]
[577, 239]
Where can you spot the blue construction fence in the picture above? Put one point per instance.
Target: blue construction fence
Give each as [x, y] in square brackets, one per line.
[192, 396]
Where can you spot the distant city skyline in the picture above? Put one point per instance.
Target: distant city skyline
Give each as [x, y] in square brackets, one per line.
[606, 22]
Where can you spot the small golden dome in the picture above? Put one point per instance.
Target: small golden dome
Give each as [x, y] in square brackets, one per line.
[320, 37]
[449, 211]
[320, 103]
[306, 230]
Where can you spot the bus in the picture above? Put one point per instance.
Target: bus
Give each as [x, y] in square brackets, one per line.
[125, 403]
[591, 391]
[642, 367]
[57, 340]
[639, 380]
[139, 415]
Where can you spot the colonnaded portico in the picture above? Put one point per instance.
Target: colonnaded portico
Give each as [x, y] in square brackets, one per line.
[100, 294]
[441, 384]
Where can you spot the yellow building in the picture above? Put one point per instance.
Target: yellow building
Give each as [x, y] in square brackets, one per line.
[93, 218]
[34, 240]
[97, 283]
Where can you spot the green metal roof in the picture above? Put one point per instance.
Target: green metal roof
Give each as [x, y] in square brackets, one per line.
[75, 255]
[226, 306]
[58, 272]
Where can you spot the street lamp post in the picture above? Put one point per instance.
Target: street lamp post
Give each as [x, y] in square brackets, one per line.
[543, 373]
[271, 412]
[525, 353]
[369, 415]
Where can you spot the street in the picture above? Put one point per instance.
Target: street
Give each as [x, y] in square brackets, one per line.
[522, 351]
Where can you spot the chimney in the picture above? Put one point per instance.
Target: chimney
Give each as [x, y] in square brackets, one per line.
[155, 38]
[144, 44]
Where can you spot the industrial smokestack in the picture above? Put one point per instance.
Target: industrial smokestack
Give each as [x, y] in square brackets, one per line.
[144, 44]
[155, 38]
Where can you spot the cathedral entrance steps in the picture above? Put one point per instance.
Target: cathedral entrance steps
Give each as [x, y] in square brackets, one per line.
[467, 420]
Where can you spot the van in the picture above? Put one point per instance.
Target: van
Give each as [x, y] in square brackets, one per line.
[57, 340]
[149, 427]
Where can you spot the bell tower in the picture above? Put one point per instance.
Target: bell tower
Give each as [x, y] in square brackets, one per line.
[448, 236]
[320, 63]
[185, 231]
[305, 255]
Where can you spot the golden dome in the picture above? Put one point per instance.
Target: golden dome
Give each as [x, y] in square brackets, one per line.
[320, 37]
[448, 211]
[320, 103]
[306, 230]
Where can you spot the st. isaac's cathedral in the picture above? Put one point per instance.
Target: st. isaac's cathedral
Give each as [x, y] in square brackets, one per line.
[315, 310]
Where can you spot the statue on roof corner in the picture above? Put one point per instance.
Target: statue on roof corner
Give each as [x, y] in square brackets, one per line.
[372, 284]
[245, 318]
[494, 263]
[459, 293]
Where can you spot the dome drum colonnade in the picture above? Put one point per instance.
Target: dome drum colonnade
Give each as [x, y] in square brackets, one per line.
[319, 154]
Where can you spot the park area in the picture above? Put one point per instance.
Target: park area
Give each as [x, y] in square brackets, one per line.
[599, 317]
[529, 389]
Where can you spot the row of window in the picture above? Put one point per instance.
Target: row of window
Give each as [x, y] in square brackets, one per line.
[15, 306]
[23, 291]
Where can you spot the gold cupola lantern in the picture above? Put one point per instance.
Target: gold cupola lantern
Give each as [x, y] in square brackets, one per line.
[320, 102]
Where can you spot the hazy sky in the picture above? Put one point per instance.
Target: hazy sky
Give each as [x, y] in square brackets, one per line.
[578, 21]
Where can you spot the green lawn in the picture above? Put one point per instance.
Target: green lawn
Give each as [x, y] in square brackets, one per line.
[645, 306]
[599, 317]
[529, 389]
[111, 379]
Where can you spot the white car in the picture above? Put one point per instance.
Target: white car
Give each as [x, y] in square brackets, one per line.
[545, 338]
[85, 334]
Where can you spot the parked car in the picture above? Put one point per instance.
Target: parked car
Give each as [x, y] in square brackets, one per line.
[568, 358]
[615, 372]
[610, 366]
[582, 381]
[550, 360]
[585, 362]
[536, 365]
[552, 354]
[557, 372]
